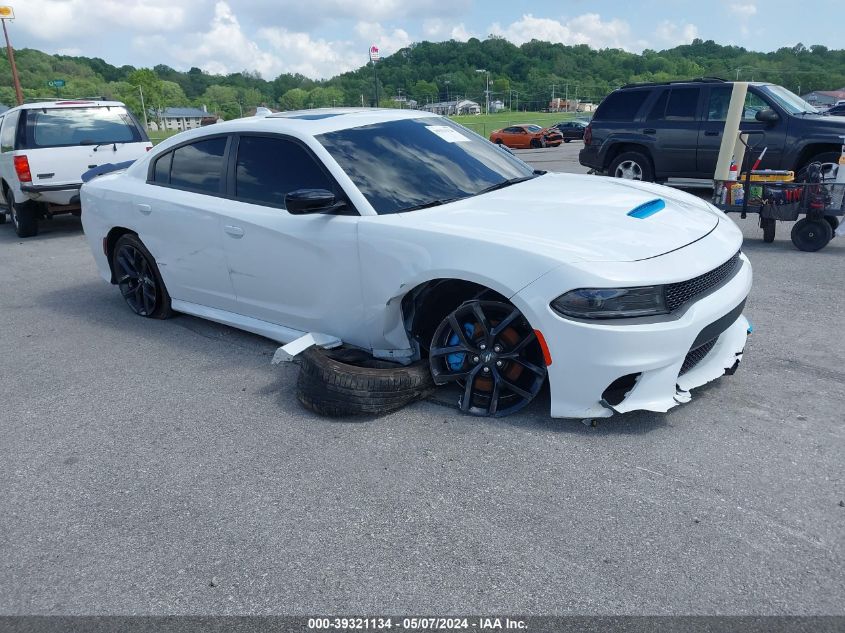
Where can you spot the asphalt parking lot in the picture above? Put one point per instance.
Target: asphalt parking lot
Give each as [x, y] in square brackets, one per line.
[164, 467]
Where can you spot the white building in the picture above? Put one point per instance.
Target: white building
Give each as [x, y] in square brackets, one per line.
[462, 106]
[180, 119]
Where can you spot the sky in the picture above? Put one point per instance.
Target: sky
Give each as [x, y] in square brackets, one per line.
[321, 38]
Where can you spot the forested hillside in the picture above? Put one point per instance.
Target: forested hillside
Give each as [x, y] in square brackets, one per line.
[521, 76]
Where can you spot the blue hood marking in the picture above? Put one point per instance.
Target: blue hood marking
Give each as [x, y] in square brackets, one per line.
[647, 208]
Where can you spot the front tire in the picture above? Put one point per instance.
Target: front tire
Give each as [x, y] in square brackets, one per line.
[632, 166]
[25, 216]
[566, 140]
[490, 351]
[139, 279]
[811, 235]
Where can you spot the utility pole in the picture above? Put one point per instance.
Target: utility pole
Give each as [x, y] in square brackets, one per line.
[6, 13]
[566, 96]
[144, 110]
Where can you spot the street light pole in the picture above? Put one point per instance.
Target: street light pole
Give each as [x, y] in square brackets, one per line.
[11, 54]
[487, 91]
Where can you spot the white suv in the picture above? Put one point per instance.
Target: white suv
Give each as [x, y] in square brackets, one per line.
[46, 147]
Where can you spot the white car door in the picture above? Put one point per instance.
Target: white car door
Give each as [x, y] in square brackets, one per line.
[300, 271]
[179, 217]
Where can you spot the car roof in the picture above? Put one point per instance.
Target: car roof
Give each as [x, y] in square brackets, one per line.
[322, 120]
[69, 103]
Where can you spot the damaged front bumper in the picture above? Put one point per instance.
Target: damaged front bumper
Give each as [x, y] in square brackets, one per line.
[650, 358]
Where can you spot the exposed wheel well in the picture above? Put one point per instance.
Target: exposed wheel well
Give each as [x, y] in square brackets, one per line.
[424, 307]
[811, 150]
[111, 240]
[620, 148]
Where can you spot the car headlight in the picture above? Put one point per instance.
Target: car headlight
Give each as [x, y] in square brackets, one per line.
[611, 303]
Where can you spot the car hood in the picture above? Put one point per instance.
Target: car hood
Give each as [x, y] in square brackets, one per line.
[575, 218]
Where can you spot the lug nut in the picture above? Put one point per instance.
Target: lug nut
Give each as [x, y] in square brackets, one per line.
[499, 363]
[486, 370]
[482, 346]
[475, 359]
[497, 348]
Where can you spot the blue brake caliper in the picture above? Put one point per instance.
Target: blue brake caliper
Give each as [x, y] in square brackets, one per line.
[456, 361]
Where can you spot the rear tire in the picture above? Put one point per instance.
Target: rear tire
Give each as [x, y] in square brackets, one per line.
[566, 140]
[769, 226]
[632, 166]
[139, 279]
[348, 382]
[535, 144]
[811, 235]
[25, 216]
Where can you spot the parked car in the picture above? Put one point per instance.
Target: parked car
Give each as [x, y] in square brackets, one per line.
[405, 235]
[571, 130]
[661, 130]
[837, 110]
[46, 146]
[526, 136]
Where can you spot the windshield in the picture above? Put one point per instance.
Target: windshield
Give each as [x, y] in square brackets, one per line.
[62, 127]
[399, 165]
[787, 100]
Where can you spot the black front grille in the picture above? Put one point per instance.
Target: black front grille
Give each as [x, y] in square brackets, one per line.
[677, 294]
[697, 355]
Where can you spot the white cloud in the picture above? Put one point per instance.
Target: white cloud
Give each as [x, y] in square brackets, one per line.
[587, 29]
[669, 34]
[64, 19]
[744, 11]
[437, 29]
[313, 58]
[388, 41]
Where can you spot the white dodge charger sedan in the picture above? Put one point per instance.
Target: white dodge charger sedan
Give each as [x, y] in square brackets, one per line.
[405, 235]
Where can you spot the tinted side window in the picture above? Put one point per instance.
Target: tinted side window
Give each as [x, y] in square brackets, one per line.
[658, 110]
[269, 168]
[621, 106]
[199, 166]
[720, 98]
[683, 102]
[7, 133]
[161, 170]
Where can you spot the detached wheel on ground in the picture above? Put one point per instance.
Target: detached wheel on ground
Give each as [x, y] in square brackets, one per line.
[811, 235]
[138, 278]
[25, 216]
[769, 226]
[490, 351]
[631, 166]
[348, 382]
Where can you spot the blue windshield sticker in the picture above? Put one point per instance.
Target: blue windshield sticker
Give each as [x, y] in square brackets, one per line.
[648, 208]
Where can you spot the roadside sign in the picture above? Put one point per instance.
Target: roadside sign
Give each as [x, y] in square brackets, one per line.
[374, 54]
[56, 83]
[7, 13]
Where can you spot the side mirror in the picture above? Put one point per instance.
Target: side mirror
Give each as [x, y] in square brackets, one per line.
[767, 116]
[304, 201]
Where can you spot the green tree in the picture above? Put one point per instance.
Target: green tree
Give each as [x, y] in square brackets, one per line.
[294, 99]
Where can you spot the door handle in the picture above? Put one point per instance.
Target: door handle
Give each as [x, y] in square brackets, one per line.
[144, 208]
[649, 130]
[711, 133]
[234, 231]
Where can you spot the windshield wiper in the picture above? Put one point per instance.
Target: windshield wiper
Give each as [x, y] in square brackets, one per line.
[426, 205]
[507, 183]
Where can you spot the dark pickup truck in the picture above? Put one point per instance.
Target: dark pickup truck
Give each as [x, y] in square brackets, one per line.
[674, 130]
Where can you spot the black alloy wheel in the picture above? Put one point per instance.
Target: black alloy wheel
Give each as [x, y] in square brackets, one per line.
[490, 350]
[138, 279]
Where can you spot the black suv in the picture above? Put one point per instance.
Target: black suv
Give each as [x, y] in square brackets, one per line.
[661, 130]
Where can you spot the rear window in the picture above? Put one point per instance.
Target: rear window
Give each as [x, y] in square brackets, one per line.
[621, 106]
[66, 127]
